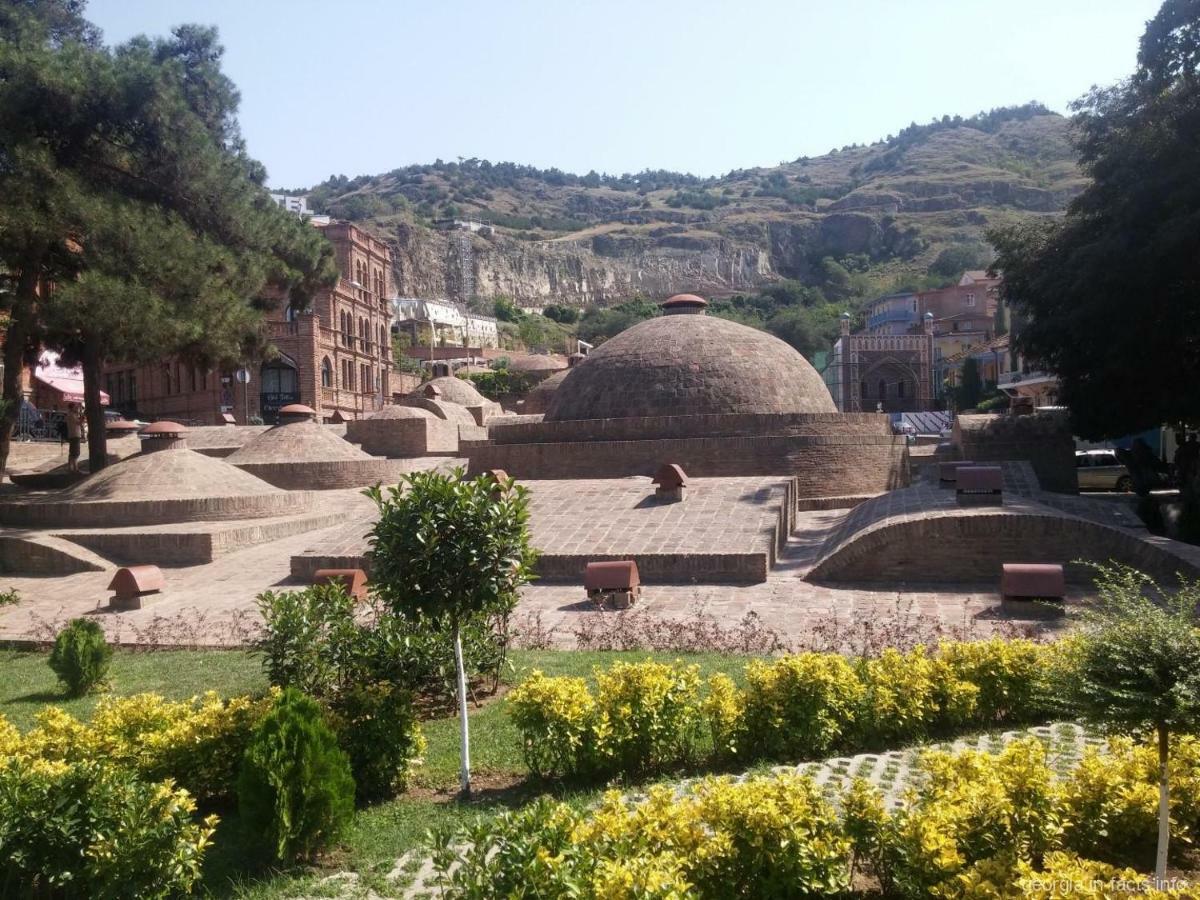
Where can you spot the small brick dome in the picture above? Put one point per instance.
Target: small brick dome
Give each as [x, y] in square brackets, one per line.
[453, 389]
[398, 411]
[688, 365]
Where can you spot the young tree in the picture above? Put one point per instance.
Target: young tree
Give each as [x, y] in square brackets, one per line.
[134, 221]
[1135, 667]
[451, 550]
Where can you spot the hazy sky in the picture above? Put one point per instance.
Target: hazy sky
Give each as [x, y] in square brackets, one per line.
[363, 86]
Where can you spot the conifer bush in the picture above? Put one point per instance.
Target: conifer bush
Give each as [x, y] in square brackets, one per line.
[81, 657]
[295, 791]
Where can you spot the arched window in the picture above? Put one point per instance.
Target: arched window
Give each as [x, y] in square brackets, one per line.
[900, 389]
[882, 389]
[290, 313]
[326, 373]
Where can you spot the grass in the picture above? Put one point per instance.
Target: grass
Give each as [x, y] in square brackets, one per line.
[380, 833]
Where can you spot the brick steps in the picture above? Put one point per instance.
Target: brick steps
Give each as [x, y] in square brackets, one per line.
[198, 543]
[806, 504]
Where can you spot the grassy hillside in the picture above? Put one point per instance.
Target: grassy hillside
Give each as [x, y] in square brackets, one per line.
[851, 223]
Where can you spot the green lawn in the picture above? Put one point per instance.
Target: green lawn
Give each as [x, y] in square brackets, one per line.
[381, 833]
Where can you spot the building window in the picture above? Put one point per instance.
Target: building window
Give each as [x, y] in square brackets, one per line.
[970, 299]
[326, 373]
[882, 389]
[900, 389]
[132, 395]
[862, 389]
[290, 314]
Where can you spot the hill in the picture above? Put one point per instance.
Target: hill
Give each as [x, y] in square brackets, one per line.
[908, 210]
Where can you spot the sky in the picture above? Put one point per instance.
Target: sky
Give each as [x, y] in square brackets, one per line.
[359, 87]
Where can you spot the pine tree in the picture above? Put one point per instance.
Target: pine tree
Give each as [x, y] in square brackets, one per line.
[134, 222]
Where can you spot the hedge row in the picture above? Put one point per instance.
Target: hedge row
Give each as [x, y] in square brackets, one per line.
[980, 826]
[646, 717]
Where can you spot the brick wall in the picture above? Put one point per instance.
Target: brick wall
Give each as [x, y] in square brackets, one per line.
[121, 513]
[824, 466]
[972, 546]
[404, 437]
[1044, 439]
[642, 428]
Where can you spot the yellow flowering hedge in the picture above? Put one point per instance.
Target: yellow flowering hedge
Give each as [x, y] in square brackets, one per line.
[650, 716]
[198, 742]
[89, 828]
[764, 837]
[980, 825]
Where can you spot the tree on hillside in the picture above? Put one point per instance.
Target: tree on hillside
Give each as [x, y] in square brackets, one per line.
[1135, 668]
[451, 551]
[809, 329]
[1109, 293]
[135, 222]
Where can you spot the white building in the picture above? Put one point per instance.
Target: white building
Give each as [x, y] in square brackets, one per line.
[452, 322]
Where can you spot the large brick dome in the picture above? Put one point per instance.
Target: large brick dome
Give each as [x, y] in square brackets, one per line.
[689, 365]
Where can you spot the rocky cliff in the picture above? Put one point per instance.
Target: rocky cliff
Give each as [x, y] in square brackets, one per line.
[891, 208]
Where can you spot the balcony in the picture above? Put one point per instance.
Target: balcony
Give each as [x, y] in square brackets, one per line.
[889, 316]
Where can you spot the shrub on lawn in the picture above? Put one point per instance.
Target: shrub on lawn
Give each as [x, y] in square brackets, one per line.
[555, 717]
[764, 837]
[907, 696]
[362, 669]
[197, 743]
[377, 728]
[89, 828]
[648, 716]
[1009, 675]
[81, 656]
[295, 791]
[798, 706]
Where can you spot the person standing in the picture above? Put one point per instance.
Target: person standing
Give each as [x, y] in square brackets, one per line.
[75, 431]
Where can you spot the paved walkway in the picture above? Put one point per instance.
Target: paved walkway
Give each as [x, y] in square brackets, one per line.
[214, 605]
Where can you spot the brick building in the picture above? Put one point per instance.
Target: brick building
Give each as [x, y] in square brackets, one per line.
[336, 357]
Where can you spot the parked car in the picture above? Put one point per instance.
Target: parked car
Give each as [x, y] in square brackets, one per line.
[1100, 470]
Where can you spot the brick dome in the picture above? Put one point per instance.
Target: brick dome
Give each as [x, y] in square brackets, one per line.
[689, 365]
[453, 389]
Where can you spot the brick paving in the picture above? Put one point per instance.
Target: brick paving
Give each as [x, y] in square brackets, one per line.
[721, 520]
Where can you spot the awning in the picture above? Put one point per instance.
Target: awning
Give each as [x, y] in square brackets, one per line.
[71, 389]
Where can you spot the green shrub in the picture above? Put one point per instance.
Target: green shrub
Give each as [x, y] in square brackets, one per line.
[908, 696]
[764, 837]
[1008, 674]
[555, 717]
[91, 829]
[197, 743]
[971, 808]
[295, 792]
[377, 728]
[648, 716]
[81, 656]
[799, 706]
